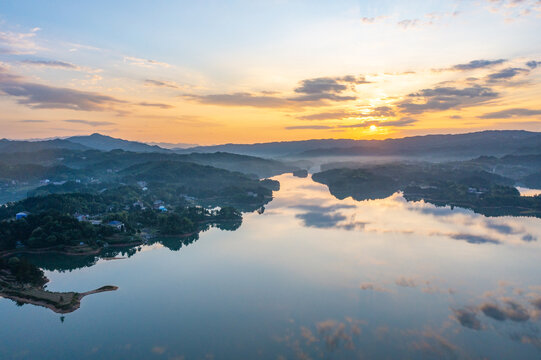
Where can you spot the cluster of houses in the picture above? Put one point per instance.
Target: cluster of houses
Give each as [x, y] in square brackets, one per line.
[21, 215]
[476, 191]
[47, 182]
[116, 224]
[160, 205]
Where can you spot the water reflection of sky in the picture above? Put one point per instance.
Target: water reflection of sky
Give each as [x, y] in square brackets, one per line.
[528, 192]
[312, 277]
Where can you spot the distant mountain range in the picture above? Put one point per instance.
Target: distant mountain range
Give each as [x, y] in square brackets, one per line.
[494, 142]
[87, 142]
[14, 146]
[107, 143]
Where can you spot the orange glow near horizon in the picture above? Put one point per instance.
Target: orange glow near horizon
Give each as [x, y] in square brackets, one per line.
[315, 83]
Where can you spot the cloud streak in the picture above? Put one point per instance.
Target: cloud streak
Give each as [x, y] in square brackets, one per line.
[511, 113]
[314, 92]
[477, 64]
[50, 63]
[90, 122]
[445, 98]
[158, 83]
[39, 96]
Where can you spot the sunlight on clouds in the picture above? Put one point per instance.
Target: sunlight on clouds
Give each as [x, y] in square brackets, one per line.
[366, 73]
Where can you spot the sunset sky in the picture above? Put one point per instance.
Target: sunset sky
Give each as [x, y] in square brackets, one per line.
[207, 72]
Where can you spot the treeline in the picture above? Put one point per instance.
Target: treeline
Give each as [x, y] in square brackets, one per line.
[440, 184]
[23, 271]
[182, 221]
[50, 229]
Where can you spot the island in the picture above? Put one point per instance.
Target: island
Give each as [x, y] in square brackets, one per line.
[445, 184]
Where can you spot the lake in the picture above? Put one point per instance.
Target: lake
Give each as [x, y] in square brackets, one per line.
[312, 277]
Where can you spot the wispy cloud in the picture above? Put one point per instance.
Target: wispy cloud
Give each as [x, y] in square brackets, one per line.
[506, 74]
[477, 64]
[511, 113]
[327, 88]
[533, 64]
[335, 115]
[90, 122]
[157, 105]
[39, 96]
[445, 98]
[241, 99]
[50, 63]
[19, 43]
[158, 83]
[146, 63]
[405, 121]
[308, 127]
[314, 92]
[30, 121]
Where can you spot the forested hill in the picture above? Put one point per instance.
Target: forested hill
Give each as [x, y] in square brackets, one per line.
[494, 142]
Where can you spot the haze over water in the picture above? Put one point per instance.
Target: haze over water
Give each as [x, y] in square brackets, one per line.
[311, 277]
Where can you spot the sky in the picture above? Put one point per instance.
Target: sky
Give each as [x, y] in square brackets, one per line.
[211, 72]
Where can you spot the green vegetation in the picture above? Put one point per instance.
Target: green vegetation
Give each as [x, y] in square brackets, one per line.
[50, 229]
[440, 184]
[21, 271]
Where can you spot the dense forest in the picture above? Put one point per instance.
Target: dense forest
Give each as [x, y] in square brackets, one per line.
[440, 184]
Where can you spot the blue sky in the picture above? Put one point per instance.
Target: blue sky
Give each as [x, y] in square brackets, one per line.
[208, 70]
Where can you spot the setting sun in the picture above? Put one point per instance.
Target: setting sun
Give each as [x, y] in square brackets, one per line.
[373, 127]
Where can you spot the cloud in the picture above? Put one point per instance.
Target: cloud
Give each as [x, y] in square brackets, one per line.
[445, 98]
[158, 105]
[467, 318]
[320, 220]
[50, 63]
[513, 311]
[308, 127]
[90, 122]
[410, 23]
[159, 83]
[477, 64]
[33, 121]
[511, 113]
[372, 20]
[533, 64]
[373, 287]
[537, 303]
[241, 99]
[324, 217]
[328, 84]
[474, 239]
[405, 121]
[39, 96]
[406, 282]
[316, 91]
[146, 63]
[327, 88]
[382, 111]
[19, 43]
[506, 74]
[325, 116]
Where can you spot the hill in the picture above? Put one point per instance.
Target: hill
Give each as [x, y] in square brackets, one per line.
[107, 143]
[493, 142]
[21, 146]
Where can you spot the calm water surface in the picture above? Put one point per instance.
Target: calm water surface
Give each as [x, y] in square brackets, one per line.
[312, 277]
